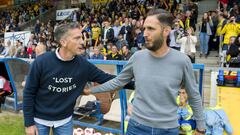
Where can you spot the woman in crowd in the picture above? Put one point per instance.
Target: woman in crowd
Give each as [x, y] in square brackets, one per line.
[205, 33]
[188, 43]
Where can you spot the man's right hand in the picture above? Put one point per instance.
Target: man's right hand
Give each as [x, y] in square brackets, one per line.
[32, 130]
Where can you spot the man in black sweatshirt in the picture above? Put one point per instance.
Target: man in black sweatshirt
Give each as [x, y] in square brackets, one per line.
[55, 81]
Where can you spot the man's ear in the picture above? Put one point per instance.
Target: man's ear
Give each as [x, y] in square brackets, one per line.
[63, 42]
[167, 31]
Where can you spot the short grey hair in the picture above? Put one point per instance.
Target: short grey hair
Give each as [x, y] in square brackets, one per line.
[62, 29]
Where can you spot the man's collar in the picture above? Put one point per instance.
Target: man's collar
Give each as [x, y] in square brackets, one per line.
[59, 57]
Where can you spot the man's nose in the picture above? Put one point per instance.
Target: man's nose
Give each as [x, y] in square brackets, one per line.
[145, 33]
[81, 41]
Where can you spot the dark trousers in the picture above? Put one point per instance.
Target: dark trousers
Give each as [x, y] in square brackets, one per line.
[176, 48]
[192, 58]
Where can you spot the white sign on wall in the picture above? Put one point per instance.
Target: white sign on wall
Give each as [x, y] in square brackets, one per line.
[74, 2]
[63, 14]
[22, 36]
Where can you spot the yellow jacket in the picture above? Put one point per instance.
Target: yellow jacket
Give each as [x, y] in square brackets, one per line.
[230, 30]
[219, 27]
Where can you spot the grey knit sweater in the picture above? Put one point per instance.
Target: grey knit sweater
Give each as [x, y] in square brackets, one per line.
[157, 82]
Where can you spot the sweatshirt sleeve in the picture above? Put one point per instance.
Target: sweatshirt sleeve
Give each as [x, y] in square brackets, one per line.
[194, 97]
[97, 75]
[121, 80]
[29, 94]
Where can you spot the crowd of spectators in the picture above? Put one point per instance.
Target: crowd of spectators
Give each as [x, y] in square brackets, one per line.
[114, 31]
[223, 33]
[111, 31]
[13, 18]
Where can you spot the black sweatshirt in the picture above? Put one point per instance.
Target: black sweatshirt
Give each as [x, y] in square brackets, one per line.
[53, 86]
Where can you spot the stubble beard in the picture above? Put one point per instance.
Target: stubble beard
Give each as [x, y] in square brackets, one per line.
[156, 45]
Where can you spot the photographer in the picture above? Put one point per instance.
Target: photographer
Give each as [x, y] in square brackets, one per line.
[175, 32]
[229, 30]
[188, 43]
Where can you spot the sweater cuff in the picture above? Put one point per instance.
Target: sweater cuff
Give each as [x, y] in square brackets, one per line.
[28, 122]
[201, 124]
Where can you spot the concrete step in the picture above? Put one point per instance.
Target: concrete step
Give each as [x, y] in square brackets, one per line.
[208, 60]
[212, 60]
[206, 5]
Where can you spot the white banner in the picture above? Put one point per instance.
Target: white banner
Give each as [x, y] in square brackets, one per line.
[22, 36]
[75, 2]
[63, 14]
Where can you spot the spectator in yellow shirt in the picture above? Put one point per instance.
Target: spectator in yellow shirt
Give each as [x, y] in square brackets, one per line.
[230, 29]
[96, 31]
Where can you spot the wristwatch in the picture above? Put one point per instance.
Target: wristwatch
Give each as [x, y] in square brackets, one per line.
[202, 131]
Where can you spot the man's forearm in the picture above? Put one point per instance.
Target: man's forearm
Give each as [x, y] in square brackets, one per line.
[108, 86]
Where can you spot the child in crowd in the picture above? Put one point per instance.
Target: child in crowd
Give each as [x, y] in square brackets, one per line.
[184, 112]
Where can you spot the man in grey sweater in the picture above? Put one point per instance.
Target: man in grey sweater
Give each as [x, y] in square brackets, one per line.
[159, 72]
